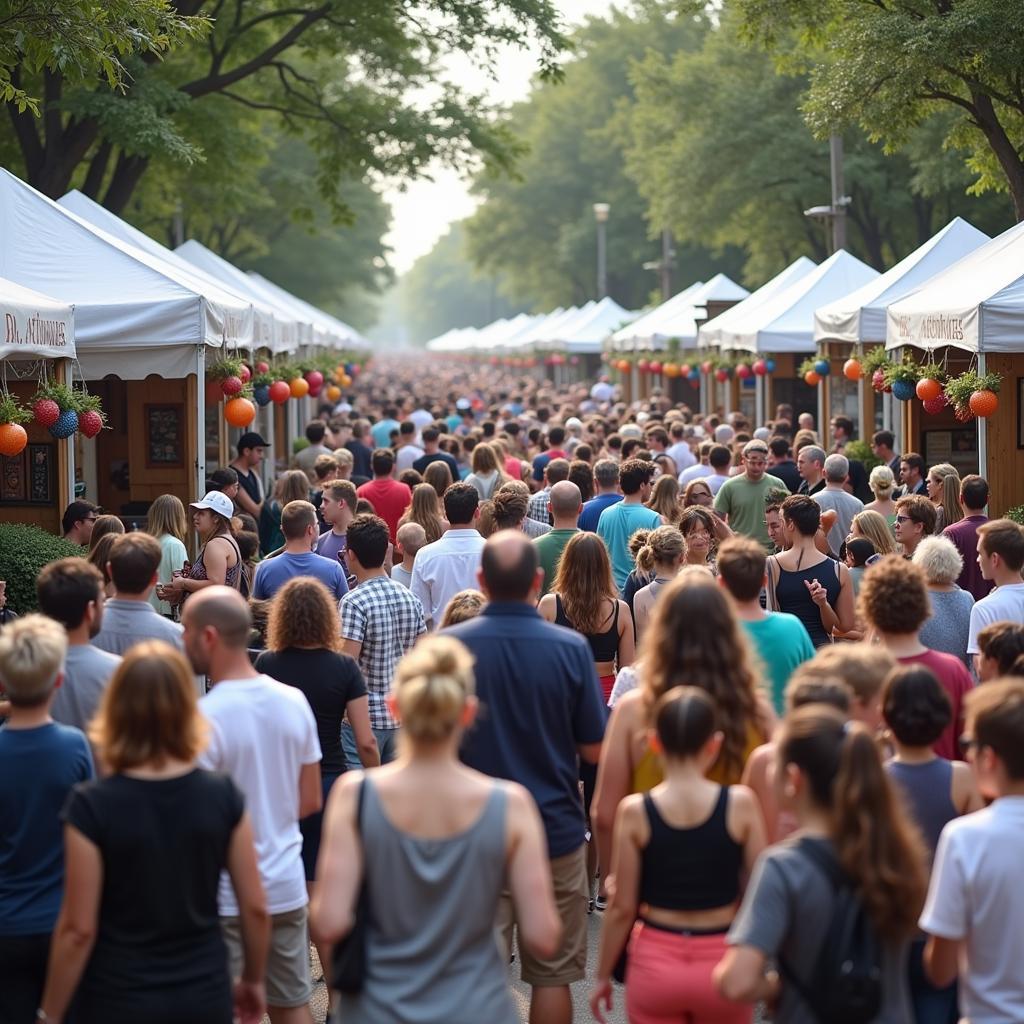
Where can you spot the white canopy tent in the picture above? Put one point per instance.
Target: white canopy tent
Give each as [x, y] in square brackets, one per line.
[135, 314]
[710, 333]
[860, 317]
[785, 322]
[550, 325]
[458, 339]
[514, 338]
[975, 304]
[645, 325]
[34, 324]
[328, 331]
[269, 329]
[586, 331]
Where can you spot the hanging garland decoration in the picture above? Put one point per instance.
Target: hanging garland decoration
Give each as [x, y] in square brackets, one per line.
[902, 378]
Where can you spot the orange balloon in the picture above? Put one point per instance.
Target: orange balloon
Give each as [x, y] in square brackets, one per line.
[299, 387]
[345, 380]
[239, 412]
[852, 369]
[928, 388]
[333, 393]
[670, 370]
[623, 366]
[983, 403]
[812, 378]
[13, 438]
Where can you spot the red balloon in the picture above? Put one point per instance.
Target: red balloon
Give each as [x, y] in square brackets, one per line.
[760, 367]
[262, 367]
[654, 367]
[743, 371]
[280, 392]
[722, 374]
[706, 367]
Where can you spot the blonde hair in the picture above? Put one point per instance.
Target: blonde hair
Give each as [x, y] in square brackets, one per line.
[664, 546]
[873, 526]
[32, 653]
[166, 517]
[423, 511]
[665, 498]
[881, 481]
[465, 605]
[149, 713]
[861, 667]
[432, 683]
[950, 500]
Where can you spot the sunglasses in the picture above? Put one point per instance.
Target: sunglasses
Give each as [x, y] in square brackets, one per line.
[903, 519]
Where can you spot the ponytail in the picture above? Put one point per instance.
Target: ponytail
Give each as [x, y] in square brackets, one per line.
[662, 546]
[645, 558]
[432, 683]
[876, 843]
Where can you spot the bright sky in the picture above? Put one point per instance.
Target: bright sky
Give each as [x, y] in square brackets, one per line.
[421, 214]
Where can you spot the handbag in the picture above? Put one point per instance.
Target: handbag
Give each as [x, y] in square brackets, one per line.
[348, 966]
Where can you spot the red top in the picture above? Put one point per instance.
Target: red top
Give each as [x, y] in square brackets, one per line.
[514, 468]
[389, 498]
[957, 682]
[964, 536]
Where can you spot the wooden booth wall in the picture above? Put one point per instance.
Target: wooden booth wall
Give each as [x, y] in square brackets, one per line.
[1006, 437]
[144, 455]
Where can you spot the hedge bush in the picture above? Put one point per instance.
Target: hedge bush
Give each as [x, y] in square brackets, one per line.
[24, 550]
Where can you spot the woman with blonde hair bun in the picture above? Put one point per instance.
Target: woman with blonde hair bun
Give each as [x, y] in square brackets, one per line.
[433, 842]
[882, 484]
[663, 555]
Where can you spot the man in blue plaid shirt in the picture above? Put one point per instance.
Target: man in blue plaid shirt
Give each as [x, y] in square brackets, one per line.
[380, 621]
[555, 471]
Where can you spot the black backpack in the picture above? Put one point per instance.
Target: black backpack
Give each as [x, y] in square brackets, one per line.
[846, 984]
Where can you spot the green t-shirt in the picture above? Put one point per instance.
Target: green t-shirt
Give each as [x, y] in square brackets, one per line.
[782, 643]
[549, 551]
[743, 502]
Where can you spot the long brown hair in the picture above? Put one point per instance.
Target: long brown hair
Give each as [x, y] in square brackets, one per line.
[423, 510]
[695, 639]
[583, 579]
[292, 485]
[302, 614]
[665, 499]
[166, 516]
[876, 844]
[439, 475]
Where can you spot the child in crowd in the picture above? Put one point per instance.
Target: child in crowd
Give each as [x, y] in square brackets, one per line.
[410, 537]
[975, 903]
[855, 672]
[40, 762]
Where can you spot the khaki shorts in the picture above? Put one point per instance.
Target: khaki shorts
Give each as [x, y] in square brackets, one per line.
[288, 980]
[569, 964]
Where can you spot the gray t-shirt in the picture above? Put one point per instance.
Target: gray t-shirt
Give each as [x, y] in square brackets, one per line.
[786, 913]
[846, 507]
[127, 623]
[87, 670]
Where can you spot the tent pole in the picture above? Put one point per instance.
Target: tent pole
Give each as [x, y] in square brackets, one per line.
[982, 429]
[200, 420]
[759, 401]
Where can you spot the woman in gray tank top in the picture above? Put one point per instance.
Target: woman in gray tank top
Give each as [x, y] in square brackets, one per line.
[436, 842]
[917, 711]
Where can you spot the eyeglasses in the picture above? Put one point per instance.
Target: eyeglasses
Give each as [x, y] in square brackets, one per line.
[903, 519]
[91, 519]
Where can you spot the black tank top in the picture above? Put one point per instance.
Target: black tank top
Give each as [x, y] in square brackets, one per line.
[603, 646]
[691, 868]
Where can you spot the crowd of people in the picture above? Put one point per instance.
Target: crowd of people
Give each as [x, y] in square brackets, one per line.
[488, 656]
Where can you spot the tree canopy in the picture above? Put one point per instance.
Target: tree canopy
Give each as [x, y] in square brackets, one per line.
[888, 66]
[538, 227]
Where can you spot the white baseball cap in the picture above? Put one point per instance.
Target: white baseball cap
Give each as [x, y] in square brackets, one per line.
[216, 501]
[573, 423]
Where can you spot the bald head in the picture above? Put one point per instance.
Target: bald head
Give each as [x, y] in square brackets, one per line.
[509, 568]
[224, 610]
[565, 501]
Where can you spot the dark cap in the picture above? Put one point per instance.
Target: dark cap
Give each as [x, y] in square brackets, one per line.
[251, 440]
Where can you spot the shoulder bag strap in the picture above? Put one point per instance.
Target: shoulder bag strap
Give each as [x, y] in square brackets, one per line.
[773, 599]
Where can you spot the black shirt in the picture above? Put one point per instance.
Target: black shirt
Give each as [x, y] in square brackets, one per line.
[819, 486]
[329, 681]
[250, 483]
[159, 955]
[788, 474]
[420, 465]
[361, 461]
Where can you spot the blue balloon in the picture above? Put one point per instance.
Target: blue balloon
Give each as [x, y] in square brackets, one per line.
[903, 390]
[261, 394]
[822, 367]
[769, 365]
[693, 375]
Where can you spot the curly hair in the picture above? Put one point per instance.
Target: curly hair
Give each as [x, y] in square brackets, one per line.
[695, 639]
[894, 597]
[509, 508]
[303, 614]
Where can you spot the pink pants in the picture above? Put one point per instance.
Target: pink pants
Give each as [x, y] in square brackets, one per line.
[668, 979]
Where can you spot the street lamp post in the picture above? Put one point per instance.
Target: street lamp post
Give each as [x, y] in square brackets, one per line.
[601, 211]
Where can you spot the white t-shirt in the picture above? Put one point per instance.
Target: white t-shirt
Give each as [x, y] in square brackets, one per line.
[682, 455]
[976, 896]
[1004, 604]
[262, 733]
[694, 473]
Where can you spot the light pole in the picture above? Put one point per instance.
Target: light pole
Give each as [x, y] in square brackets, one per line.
[601, 211]
[835, 212]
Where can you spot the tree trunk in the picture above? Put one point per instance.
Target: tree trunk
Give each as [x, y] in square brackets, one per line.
[98, 170]
[1006, 153]
[127, 175]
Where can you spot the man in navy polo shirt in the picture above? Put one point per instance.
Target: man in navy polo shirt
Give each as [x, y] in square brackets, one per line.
[542, 710]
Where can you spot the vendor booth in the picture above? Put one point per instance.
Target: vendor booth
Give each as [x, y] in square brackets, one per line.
[969, 321]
